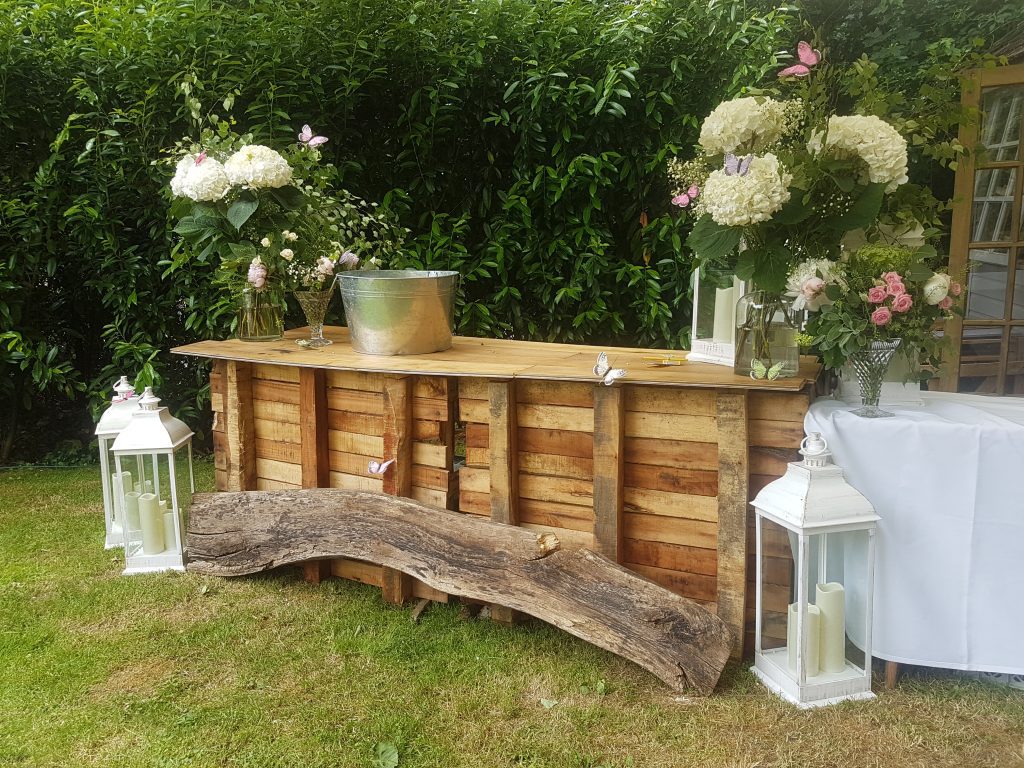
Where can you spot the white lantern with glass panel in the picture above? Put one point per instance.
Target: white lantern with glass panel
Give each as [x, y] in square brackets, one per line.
[713, 330]
[153, 521]
[813, 624]
[113, 420]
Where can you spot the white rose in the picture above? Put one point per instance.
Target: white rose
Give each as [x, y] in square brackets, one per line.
[258, 167]
[287, 254]
[265, 242]
[936, 288]
[291, 237]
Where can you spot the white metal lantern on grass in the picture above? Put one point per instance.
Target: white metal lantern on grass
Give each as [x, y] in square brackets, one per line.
[153, 515]
[113, 420]
[713, 331]
[802, 649]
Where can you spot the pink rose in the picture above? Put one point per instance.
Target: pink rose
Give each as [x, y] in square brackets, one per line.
[257, 276]
[946, 303]
[956, 289]
[892, 277]
[877, 294]
[902, 303]
[897, 289]
[881, 316]
[812, 287]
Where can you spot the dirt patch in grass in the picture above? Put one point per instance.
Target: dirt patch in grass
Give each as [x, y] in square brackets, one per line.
[138, 679]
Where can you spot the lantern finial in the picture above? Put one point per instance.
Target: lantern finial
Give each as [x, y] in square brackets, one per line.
[815, 450]
[149, 401]
[124, 389]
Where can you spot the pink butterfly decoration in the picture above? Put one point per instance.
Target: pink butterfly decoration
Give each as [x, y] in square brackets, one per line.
[200, 157]
[376, 468]
[682, 200]
[808, 58]
[693, 192]
[307, 137]
[126, 396]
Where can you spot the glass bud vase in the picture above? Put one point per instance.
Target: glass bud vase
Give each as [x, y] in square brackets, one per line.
[314, 306]
[870, 365]
[766, 344]
[259, 316]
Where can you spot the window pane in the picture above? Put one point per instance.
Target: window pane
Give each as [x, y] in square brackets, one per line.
[1015, 362]
[1000, 129]
[979, 359]
[1018, 287]
[986, 283]
[993, 204]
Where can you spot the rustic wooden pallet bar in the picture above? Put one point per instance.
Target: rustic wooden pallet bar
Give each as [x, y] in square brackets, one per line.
[654, 472]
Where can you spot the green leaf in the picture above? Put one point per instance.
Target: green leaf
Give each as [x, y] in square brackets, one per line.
[288, 197]
[767, 267]
[548, 703]
[793, 212]
[385, 755]
[241, 210]
[864, 210]
[711, 241]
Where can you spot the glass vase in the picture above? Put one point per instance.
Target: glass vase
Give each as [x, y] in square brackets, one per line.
[766, 344]
[314, 306]
[259, 316]
[870, 365]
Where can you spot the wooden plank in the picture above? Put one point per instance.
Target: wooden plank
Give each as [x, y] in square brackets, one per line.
[269, 469]
[428, 431]
[290, 453]
[671, 557]
[273, 372]
[502, 412]
[356, 482]
[700, 482]
[396, 587]
[680, 454]
[431, 496]
[568, 539]
[565, 490]
[776, 434]
[670, 426]
[217, 402]
[350, 463]
[476, 435]
[473, 502]
[556, 441]
[220, 451]
[365, 445]
[430, 408]
[220, 479]
[313, 422]
[733, 472]
[431, 455]
[553, 465]
[556, 515]
[473, 389]
[609, 435]
[239, 426]
[555, 417]
[358, 380]
[475, 411]
[355, 401]
[647, 502]
[671, 530]
[356, 570]
[779, 406]
[771, 461]
[556, 393]
[264, 484]
[277, 430]
[692, 585]
[478, 457]
[432, 386]
[357, 423]
[274, 411]
[431, 477]
[276, 391]
[690, 402]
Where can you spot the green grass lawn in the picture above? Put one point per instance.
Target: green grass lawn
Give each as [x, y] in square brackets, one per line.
[97, 669]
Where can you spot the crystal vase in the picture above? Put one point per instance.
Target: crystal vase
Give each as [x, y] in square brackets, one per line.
[259, 316]
[870, 365]
[766, 345]
[314, 306]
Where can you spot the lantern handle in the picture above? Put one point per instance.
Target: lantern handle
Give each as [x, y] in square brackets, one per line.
[815, 450]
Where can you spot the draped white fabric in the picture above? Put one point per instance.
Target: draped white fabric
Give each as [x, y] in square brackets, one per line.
[947, 479]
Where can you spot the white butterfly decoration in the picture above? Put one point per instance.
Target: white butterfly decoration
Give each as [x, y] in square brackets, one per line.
[376, 468]
[307, 138]
[606, 372]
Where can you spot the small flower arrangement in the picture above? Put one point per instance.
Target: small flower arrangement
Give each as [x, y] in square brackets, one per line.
[882, 292]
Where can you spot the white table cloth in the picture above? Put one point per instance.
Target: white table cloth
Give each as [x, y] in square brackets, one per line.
[947, 479]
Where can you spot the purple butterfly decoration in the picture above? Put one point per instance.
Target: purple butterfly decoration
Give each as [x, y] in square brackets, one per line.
[376, 468]
[737, 166]
[306, 137]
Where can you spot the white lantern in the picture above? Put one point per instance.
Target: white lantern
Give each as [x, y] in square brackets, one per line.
[713, 330]
[803, 650]
[152, 521]
[113, 420]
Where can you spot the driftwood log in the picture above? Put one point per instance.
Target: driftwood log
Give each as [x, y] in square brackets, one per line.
[581, 592]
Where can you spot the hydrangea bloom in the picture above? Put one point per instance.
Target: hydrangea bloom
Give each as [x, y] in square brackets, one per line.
[734, 200]
[258, 167]
[871, 139]
[202, 182]
[747, 123]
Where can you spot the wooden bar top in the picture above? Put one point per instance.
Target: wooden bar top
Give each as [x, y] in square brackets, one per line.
[495, 359]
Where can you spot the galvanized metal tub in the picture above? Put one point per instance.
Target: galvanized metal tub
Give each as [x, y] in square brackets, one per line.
[399, 312]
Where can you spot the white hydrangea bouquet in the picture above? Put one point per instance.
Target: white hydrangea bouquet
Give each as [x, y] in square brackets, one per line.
[269, 222]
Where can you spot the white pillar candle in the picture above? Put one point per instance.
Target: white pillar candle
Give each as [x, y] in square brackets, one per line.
[725, 326]
[813, 631]
[131, 510]
[115, 500]
[152, 524]
[149, 486]
[169, 526]
[831, 601]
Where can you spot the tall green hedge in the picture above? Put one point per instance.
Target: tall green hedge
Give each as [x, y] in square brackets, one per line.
[519, 140]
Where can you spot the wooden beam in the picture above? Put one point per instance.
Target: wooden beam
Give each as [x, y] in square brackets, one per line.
[239, 427]
[609, 439]
[316, 470]
[396, 587]
[733, 479]
[504, 468]
[581, 592]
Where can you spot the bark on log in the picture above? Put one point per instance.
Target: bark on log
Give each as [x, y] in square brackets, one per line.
[581, 592]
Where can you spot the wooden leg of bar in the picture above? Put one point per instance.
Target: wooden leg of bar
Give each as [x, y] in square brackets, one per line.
[316, 470]
[609, 436]
[733, 488]
[314, 570]
[240, 427]
[396, 587]
[892, 669]
[504, 468]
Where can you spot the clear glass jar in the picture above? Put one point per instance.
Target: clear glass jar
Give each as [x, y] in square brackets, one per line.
[766, 331]
[260, 316]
